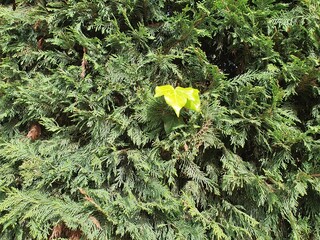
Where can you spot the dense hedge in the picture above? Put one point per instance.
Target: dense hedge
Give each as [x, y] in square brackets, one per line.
[87, 152]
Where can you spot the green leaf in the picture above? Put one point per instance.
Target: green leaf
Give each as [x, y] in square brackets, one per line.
[193, 99]
[163, 90]
[179, 97]
[171, 123]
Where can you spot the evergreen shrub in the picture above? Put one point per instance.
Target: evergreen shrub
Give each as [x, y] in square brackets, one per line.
[88, 152]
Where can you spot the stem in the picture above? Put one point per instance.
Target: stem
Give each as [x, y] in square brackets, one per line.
[315, 175]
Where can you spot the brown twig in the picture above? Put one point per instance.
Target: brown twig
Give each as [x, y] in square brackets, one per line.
[34, 132]
[84, 63]
[40, 43]
[202, 131]
[315, 175]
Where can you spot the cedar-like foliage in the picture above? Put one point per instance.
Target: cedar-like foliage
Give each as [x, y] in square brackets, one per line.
[87, 152]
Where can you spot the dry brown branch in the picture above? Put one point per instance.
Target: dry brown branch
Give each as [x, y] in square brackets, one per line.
[315, 175]
[34, 132]
[57, 231]
[84, 63]
[95, 222]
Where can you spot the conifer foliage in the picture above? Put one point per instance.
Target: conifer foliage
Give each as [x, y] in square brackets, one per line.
[88, 152]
